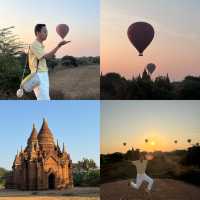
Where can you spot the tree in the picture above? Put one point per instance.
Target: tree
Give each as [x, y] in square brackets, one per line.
[190, 88]
[10, 67]
[9, 43]
[86, 164]
[69, 61]
[113, 86]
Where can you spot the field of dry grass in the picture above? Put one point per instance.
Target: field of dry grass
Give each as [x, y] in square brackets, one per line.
[81, 82]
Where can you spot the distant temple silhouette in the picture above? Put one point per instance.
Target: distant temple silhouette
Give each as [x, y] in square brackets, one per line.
[41, 165]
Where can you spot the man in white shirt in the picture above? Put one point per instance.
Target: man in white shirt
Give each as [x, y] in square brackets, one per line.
[141, 166]
[37, 59]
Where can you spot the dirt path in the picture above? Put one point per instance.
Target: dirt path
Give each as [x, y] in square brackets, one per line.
[77, 193]
[81, 82]
[163, 189]
[48, 198]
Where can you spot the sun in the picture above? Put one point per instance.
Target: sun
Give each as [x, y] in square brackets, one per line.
[152, 143]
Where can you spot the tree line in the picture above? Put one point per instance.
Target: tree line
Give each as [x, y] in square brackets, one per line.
[116, 87]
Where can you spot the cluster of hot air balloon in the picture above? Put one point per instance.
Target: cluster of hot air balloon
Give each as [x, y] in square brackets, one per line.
[189, 141]
[175, 141]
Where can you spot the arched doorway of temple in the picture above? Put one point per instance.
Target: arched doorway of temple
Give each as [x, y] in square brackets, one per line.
[51, 181]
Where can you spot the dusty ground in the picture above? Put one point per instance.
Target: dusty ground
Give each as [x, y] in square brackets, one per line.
[163, 189]
[81, 82]
[48, 198]
[70, 194]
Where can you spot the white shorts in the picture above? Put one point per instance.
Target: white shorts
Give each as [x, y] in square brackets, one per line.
[42, 91]
[139, 180]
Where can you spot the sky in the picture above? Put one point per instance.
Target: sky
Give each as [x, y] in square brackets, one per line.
[82, 16]
[161, 122]
[176, 45]
[76, 123]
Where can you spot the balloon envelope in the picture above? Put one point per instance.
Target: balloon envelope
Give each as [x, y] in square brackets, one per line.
[146, 140]
[141, 35]
[151, 68]
[189, 140]
[62, 30]
[175, 141]
[124, 143]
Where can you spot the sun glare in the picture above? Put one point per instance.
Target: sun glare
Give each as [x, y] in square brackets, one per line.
[152, 143]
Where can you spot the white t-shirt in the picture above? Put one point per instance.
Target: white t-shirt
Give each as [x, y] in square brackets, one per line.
[140, 166]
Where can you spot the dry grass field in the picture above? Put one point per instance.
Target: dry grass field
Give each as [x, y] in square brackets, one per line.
[81, 82]
[75, 83]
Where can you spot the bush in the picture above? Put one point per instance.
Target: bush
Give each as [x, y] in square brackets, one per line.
[191, 176]
[10, 72]
[69, 61]
[87, 178]
[88, 60]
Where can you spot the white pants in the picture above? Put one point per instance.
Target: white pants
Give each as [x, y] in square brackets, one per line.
[139, 180]
[42, 91]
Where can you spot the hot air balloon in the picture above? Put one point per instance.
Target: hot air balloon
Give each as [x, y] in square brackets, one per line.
[175, 141]
[189, 140]
[124, 143]
[151, 68]
[146, 140]
[62, 30]
[141, 35]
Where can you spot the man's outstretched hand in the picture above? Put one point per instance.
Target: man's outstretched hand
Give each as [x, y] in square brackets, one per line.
[149, 156]
[62, 43]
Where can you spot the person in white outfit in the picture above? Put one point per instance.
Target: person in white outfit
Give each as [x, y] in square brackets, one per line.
[37, 61]
[141, 166]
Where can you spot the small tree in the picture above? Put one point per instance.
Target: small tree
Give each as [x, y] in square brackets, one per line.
[10, 67]
[87, 164]
[9, 43]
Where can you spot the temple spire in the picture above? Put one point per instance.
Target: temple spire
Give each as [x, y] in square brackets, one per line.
[64, 149]
[33, 136]
[45, 136]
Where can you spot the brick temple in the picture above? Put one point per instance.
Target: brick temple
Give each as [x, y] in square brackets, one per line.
[41, 165]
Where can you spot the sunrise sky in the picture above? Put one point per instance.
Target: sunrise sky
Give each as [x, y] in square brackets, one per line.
[161, 122]
[82, 16]
[175, 48]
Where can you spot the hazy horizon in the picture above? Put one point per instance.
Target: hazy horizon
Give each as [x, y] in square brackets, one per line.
[176, 45]
[161, 122]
